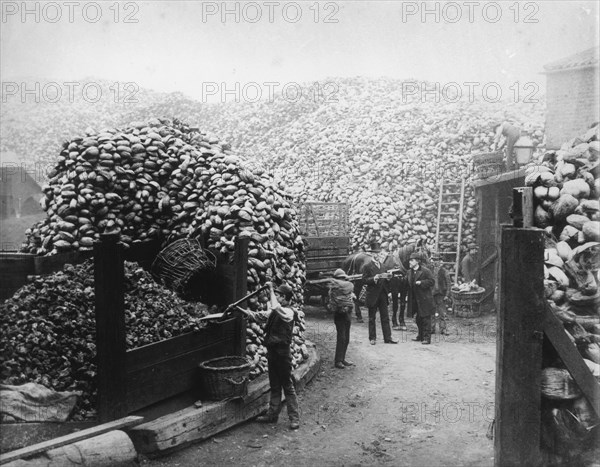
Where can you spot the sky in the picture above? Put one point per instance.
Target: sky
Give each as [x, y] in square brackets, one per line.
[189, 46]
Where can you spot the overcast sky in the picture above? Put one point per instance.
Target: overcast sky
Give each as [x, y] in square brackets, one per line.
[176, 46]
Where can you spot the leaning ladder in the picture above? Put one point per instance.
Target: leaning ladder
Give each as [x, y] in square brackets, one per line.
[448, 234]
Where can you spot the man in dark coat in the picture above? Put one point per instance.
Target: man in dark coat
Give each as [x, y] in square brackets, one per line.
[377, 281]
[420, 297]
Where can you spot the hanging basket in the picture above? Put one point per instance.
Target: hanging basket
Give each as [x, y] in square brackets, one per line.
[224, 377]
[179, 261]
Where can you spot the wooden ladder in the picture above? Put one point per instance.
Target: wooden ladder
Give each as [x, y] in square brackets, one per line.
[448, 234]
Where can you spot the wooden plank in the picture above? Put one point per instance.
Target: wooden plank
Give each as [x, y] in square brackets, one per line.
[71, 438]
[514, 176]
[18, 435]
[460, 223]
[240, 262]
[528, 207]
[523, 207]
[556, 333]
[338, 253]
[309, 369]
[148, 355]
[324, 219]
[439, 215]
[109, 280]
[324, 265]
[327, 242]
[193, 424]
[169, 378]
[519, 348]
[54, 263]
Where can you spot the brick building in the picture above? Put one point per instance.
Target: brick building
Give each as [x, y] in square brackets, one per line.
[572, 96]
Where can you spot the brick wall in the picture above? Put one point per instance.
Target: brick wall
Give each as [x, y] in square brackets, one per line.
[572, 104]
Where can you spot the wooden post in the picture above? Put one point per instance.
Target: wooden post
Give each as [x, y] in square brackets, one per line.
[240, 289]
[523, 207]
[109, 278]
[240, 262]
[519, 348]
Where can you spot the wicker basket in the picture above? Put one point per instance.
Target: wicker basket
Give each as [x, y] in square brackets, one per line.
[179, 261]
[224, 377]
[488, 164]
[466, 304]
[557, 383]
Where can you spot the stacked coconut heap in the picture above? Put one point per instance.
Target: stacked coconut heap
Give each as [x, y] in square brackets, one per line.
[165, 180]
[379, 151]
[344, 140]
[566, 188]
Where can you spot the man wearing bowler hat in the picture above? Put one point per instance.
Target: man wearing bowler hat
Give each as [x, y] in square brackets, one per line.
[377, 280]
[420, 296]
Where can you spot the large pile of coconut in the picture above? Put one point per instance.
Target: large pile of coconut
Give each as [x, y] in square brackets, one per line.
[166, 180]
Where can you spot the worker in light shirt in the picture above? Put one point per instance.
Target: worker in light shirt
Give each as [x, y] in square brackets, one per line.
[507, 134]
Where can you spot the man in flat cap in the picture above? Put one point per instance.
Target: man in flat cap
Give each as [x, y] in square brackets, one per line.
[420, 296]
[278, 340]
[341, 301]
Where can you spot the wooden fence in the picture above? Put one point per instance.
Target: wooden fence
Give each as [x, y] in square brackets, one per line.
[129, 380]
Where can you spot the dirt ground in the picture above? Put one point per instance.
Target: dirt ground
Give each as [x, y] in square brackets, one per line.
[406, 404]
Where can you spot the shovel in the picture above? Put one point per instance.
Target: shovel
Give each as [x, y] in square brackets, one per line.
[230, 308]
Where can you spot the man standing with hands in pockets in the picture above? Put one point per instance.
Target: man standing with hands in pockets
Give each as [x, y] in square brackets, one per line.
[377, 281]
[420, 296]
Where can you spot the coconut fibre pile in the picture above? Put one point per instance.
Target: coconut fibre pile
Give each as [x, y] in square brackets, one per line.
[48, 328]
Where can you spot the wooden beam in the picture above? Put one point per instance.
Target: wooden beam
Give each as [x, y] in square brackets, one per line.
[18, 435]
[523, 207]
[519, 348]
[527, 207]
[501, 178]
[556, 333]
[240, 289]
[71, 438]
[109, 280]
[193, 424]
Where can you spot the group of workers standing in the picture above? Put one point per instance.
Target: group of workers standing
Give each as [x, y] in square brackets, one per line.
[422, 288]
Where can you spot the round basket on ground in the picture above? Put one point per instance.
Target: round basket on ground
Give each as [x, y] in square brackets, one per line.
[557, 383]
[224, 377]
[181, 260]
[467, 304]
